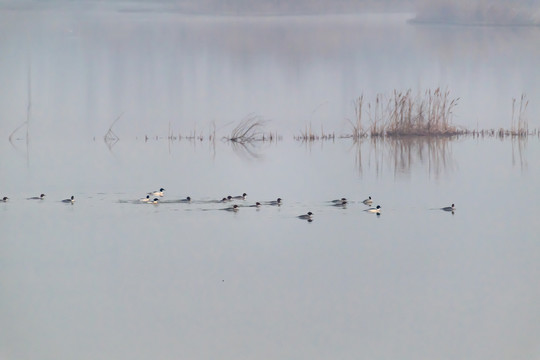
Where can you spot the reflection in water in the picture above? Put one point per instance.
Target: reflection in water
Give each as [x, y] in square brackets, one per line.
[246, 150]
[403, 153]
[519, 145]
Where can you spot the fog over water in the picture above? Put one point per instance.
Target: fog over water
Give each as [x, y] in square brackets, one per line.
[192, 69]
[112, 277]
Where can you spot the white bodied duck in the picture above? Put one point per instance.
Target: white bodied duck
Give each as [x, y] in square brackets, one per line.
[157, 192]
[375, 210]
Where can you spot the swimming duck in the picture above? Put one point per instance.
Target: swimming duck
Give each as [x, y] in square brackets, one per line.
[186, 200]
[234, 208]
[375, 210]
[158, 192]
[368, 201]
[40, 197]
[308, 216]
[449, 208]
[277, 202]
[71, 200]
[239, 197]
[5, 198]
[339, 201]
[146, 199]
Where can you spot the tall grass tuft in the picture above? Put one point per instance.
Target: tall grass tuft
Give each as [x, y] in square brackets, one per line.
[428, 114]
[403, 114]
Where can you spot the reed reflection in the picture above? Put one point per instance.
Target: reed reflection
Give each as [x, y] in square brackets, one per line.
[402, 154]
[519, 145]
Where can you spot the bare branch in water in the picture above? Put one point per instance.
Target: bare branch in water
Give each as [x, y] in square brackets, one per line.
[17, 129]
[110, 137]
[248, 130]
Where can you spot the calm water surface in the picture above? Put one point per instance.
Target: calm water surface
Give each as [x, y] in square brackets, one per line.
[110, 278]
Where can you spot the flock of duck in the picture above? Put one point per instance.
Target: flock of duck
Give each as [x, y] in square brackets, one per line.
[153, 198]
[42, 197]
[308, 216]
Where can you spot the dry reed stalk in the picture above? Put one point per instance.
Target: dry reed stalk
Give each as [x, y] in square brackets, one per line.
[357, 128]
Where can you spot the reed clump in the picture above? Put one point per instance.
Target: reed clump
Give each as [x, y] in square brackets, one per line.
[308, 134]
[429, 114]
[404, 114]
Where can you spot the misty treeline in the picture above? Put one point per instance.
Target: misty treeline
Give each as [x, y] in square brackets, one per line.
[483, 12]
[466, 12]
[479, 12]
[282, 7]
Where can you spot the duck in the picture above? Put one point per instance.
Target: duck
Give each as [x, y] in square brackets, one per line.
[341, 202]
[239, 197]
[256, 205]
[5, 199]
[449, 208]
[186, 200]
[158, 192]
[234, 208]
[277, 202]
[71, 200]
[40, 197]
[308, 216]
[146, 199]
[368, 201]
[155, 201]
[375, 210]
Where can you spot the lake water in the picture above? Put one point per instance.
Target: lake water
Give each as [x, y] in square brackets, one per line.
[111, 278]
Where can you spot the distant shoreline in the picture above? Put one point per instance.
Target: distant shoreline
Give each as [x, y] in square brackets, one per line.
[457, 22]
